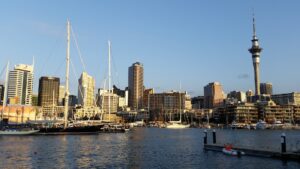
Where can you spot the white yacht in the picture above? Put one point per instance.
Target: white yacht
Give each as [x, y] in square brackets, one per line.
[175, 125]
[178, 124]
[277, 124]
[261, 125]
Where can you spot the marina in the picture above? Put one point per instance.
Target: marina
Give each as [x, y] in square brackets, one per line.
[144, 148]
[159, 84]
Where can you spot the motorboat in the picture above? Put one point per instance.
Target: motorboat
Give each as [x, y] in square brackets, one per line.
[235, 125]
[261, 125]
[233, 152]
[228, 150]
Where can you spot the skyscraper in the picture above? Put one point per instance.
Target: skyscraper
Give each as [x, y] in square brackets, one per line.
[213, 95]
[1, 94]
[136, 85]
[61, 95]
[48, 91]
[20, 84]
[86, 90]
[266, 88]
[255, 51]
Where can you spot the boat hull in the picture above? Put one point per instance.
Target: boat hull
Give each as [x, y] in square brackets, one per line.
[232, 152]
[177, 126]
[71, 130]
[18, 132]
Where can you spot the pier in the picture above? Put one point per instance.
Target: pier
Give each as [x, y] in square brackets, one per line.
[284, 155]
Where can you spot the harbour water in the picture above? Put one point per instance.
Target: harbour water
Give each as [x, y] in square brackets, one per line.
[143, 148]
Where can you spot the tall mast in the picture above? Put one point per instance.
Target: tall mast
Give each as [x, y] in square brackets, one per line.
[180, 101]
[5, 91]
[53, 103]
[109, 78]
[67, 75]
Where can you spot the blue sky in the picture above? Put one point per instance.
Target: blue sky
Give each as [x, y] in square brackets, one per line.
[194, 41]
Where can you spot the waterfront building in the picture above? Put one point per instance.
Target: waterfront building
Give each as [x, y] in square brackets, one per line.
[1, 94]
[237, 96]
[20, 84]
[73, 100]
[103, 101]
[35, 100]
[146, 97]
[272, 113]
[20, 113]
[213, 95]
[86, 90]
[52, 112]
[240, 113]
[251, 112]
[188, 103]
[249, 95]
[266, 88]
[287, 98]
[201, 114]
[168, 105]
[136, 86]
[255, 51]
[61, 95]
[123, 97]
[198, 102]
[87, 112]
[48, 91]
[123, 101]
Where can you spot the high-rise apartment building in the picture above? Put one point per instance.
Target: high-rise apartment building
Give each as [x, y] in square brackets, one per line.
[213, 95]
[1, 94]
[136, 85]
[48, 91]
[20, 84]
[86, 90]
[72, 100]
[266, 88]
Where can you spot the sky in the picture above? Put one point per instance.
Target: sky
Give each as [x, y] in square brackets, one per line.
[192, 42]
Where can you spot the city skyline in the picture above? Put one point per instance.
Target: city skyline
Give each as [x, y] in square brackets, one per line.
[195, 40]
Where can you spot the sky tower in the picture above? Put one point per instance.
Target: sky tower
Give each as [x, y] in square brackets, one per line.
[255, 51]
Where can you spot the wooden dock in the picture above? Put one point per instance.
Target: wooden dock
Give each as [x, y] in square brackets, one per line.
[257, 153]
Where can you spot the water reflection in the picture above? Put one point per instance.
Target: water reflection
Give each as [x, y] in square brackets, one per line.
[140, 148]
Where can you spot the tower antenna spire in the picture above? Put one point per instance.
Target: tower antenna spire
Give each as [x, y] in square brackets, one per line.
[253, 20]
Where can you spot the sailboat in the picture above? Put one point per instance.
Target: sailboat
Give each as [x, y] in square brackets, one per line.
[66, 128]
[9, 130]
[177, 124]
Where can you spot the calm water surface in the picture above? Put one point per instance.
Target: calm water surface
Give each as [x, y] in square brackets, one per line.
[142, 148]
